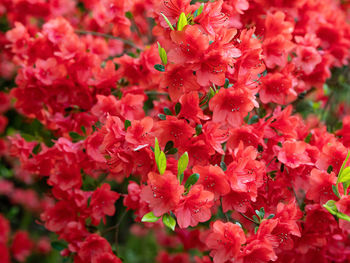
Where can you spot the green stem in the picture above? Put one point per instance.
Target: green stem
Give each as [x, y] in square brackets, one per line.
[125, 41]
[247, 218]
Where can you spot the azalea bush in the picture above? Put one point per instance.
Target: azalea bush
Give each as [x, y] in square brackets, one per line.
[174, 131]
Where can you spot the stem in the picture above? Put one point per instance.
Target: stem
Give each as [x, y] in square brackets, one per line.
[247, 218]
[152, 92]
[125, 41]
[226, 216]
[116, 226]
[270, 161]
[223, 156]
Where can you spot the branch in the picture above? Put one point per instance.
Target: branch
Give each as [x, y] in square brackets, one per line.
[125, 41]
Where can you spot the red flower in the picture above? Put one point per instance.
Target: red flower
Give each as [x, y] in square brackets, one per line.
[194, 207]
[48, 71]
[343, 206]
[66, 177]
[178, 80]
[4, 102]
[92, 248]
[307, 56]
[57, 217]
[102, 203]
[173, 129]
[231, 106]
[162, 192]
[171, 9]
[190, 45]
[321, 186]
[247, 134]
[275, 24]
[236, 200]
[213, 179]
[139, 132]
[214, 136]
[277, 88]
[212, 17]
[245, 174]
[4, 229]
[106, 257]
[333, 154]
[278, 233]
[190, 108]
[105, 105]
[293, 154]
[258, 251]
[132, 199]
[5, 255]
[21, 246]
[276, 50]
[224, 241]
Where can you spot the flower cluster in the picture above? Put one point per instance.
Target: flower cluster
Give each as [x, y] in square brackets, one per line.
[184, 115]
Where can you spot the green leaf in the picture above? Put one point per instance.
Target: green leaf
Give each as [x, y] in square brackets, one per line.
[182, 163]
[262, 213]
[347, 183]
[331, 207]
[253, 119]
[169, 145]
[169, 221]
[345, 175]
[198, 11]
[308, 138]
[181, 178]
[271, 216]
[28, 137]
[58, 245]
[343, 216]
[172, 151]
[167, 21]
[256, 229]
[199, 129]
[329, 169]
[76, 136]
[167, 111]
[162, 117]
[227, 82]
[88, 202]
[159, 67]
[37, 149]
[223, 166]
[335, 191]
[129, 15]
[256, 220]
[127, 124]
[150, 217]
[161, 162]
[162, 54]
[83, 130]
[182, 22]
[177, 108]
[156, 149]
[191, 180]
[343, 165]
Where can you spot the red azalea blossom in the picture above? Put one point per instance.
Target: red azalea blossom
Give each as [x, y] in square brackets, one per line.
[162, 192]
[223, 127]
[21, 246]
[194, 207]
[231, 106]
[102, 203]
[225, 240]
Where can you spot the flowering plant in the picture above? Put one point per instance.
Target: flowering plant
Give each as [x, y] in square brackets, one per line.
[174, 131]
